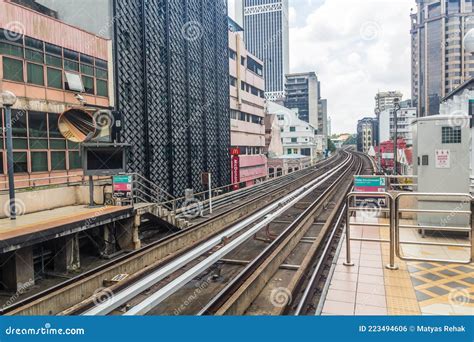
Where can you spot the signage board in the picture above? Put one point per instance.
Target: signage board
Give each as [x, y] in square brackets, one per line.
[123, 186]
[443, 159]
[369, 184]
[235, 167]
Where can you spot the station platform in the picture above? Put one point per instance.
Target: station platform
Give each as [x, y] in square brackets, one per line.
[33, 228]
[415, 288]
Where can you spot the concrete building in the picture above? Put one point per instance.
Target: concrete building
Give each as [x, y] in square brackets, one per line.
[439, 60]
[266, 25]
[405, 118]
[367, 134]
[171, 84]
[35, 64]
[247, 110]
[302, 96]
[298, 136]
[385, 100]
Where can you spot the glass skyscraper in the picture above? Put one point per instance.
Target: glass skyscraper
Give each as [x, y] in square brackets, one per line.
[439, 62]
[267, 37]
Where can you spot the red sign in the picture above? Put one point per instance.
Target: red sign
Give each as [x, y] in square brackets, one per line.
[235, 176]
[235, 151]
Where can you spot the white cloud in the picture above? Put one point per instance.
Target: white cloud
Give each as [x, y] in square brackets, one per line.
[356, 48]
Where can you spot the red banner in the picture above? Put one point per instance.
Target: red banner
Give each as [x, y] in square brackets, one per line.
[235, 176]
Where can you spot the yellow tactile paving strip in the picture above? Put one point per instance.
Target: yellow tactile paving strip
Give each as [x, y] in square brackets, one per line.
[428, 288]
[399, 291]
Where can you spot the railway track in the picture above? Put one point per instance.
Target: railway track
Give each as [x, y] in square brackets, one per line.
[83, 287]
[270, 235]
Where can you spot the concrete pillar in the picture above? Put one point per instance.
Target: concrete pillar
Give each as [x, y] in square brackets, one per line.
[127, 233]
[18, 269]
[109, 239]
[67, 254]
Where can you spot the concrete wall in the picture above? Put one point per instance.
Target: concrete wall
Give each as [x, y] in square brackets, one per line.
[47, 199]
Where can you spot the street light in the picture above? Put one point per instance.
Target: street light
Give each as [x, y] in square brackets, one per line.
[9, 99]
[396, 107]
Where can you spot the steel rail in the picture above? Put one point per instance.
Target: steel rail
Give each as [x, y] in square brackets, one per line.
[140, 286]
[137, 253]
[219, 300]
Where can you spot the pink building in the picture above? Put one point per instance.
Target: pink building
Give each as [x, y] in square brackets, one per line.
[247, 108]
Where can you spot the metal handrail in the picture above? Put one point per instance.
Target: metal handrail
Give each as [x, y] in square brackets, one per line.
[353, 208]
[398, 226]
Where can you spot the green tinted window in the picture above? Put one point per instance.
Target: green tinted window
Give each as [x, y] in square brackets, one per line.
[20, 162]
[37, 124]
[54, 61]
[88, 84]
[74, 160]
[34, 56]
[55, 78]
[20, 144]
[39, 161]
[12, 69]
[70, 65]
[12, 50]
[87, 70]
[102, 89]
[35, 74]
[38, 144]
[57, 144]
[58, 160]
[101, 73]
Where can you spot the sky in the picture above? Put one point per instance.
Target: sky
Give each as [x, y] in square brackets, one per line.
[356, 47]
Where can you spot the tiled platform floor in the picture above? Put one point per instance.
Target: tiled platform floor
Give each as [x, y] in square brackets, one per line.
[416, 288]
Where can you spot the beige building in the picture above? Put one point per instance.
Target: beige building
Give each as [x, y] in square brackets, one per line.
[247, 109]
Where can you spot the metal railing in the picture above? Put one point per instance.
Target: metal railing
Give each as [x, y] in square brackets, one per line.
[462, 199]
[145, 191]
[352, 207]
[403, 183]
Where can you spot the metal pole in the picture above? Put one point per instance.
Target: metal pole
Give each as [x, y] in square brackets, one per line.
[348, 261]
[210, 192]
[11, 176]
[471, 233]
[395, 138]
[91, 191]
[393, 222]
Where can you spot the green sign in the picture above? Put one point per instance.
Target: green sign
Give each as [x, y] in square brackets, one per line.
[369, 184]
[122, 179]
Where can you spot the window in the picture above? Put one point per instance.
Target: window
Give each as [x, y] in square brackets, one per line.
[232, 54]
[102, 89]
[101, 73]
[20, 162]
[451, 135]
[53, 126]
[58, 160]
[55, 78]
[12, 69]
[35, 74]
[74, 160]
[242, 60]
[11, 50]
[39, 161]
[34, 56]
[88, 83]
[38, 130]
[54, 61]
[71, 66]
[294, 140]
[233, 81]
[87, 70]
[292, 129]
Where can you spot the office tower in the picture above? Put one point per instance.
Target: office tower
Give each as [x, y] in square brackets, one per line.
[267, 37]
[440, 62]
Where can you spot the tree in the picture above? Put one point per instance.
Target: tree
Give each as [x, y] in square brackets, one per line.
[331, 146]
